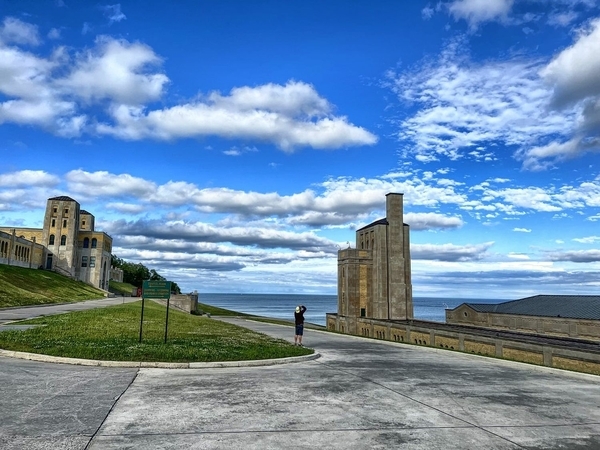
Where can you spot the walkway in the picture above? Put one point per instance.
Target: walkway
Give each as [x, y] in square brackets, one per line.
[361, 393]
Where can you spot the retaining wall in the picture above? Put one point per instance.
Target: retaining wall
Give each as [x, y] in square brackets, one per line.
[574, 355]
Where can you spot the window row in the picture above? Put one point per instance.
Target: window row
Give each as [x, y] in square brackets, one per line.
[86, 242]
[21, 252]
[63, 240]
[53, 223]
[84, 261]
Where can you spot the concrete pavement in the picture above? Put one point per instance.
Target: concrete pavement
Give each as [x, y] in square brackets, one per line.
[361, 393]
[8, 315]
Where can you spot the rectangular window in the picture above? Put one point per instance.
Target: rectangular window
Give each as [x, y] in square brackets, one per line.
[66, 211]
[83, 223]
[54, 210]
[363, 312]
[92, 261]
[64, 223]
[84, 261]
[53, 223]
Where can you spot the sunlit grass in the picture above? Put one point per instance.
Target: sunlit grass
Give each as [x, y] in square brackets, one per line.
[22, 287]
[112, 334]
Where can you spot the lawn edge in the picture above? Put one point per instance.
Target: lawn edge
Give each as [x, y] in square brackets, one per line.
[156, 365]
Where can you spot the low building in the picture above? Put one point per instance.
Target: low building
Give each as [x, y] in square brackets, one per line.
[68, 244]
[574, 316]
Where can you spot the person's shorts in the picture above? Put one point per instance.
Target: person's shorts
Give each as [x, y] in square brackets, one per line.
[299, 330]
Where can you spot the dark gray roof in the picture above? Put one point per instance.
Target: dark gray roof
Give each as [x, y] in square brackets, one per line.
[568, 306]
[62, 198]
[83, 211]
[377, 222]
[383, 221]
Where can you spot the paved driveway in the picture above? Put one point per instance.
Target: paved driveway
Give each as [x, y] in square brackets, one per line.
[361, 394]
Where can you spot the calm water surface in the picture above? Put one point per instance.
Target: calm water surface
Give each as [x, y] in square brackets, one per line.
[281, 306]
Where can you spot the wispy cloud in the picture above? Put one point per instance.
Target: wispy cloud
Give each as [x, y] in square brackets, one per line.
[113, 13]
[476, 12]
[464, 104]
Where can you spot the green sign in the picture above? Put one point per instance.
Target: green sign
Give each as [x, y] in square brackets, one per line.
[156, 289]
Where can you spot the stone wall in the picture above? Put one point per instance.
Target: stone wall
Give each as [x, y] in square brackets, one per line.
[550, 326]
[552, 353]
[17, 250]
[182, 302]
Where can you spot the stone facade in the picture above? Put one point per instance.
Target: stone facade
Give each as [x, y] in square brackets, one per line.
[548, 326]
[375, 301]
[21, 249]
[562, 354]
[374, 279]
[67, 243]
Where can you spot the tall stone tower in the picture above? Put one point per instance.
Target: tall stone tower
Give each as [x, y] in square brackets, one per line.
[60, 232]
[397, 262]
[374, 278]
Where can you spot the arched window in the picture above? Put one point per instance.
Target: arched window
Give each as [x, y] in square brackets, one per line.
[86, 242]
[63, 239]
[94, 242]
[51, 240]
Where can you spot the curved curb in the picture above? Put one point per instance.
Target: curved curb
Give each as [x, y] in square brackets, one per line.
[157, 365]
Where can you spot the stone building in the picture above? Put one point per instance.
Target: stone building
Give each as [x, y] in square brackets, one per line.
[374, 280]
[375, 300]
[574, 316]
[68, 243]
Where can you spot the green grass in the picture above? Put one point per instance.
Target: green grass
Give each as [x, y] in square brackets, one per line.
[24, 287]
[112, 334]
[121, 288]
[215, 311]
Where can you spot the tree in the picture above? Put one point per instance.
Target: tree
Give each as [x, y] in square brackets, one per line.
[135, 274]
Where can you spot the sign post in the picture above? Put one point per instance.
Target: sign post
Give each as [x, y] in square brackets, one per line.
[160, 290]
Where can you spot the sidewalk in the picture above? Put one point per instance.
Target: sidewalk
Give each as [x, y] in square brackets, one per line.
[12, 314]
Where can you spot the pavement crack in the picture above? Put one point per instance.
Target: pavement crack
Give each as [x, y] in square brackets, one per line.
[116, 400]
[419, 402]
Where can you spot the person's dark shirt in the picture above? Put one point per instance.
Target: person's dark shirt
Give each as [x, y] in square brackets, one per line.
[300, 316]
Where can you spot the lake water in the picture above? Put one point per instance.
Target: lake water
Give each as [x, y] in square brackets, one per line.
[281, 306]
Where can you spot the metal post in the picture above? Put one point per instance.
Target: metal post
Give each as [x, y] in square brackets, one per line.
[142, 320]
[167, 320]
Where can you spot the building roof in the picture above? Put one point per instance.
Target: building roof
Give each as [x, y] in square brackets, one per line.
[63, 198]
[377, 222]
[568, 306]
[83, 211]
[383, 221]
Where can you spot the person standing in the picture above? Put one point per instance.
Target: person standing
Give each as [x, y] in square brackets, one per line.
[299, 319]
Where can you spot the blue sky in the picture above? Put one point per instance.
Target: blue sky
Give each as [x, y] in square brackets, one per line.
[236, 146]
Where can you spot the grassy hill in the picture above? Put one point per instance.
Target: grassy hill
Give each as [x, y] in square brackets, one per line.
[22, 287]
[121, 288]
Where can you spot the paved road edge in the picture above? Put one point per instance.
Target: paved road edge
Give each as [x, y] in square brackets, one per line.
[156, 365]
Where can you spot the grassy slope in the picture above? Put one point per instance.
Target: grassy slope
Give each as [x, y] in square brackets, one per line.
[112, 334]
[122, 288]
[216, 311]
[23, 287]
